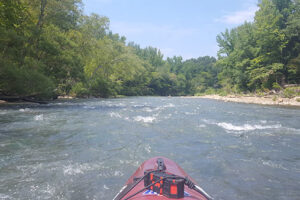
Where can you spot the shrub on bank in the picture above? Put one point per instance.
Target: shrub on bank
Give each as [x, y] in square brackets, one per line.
[78, 90]
[291, 92]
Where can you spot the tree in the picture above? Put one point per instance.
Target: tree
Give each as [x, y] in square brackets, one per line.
[292, 50]
[267, 67]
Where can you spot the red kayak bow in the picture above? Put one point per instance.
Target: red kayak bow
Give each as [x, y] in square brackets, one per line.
[160, 178]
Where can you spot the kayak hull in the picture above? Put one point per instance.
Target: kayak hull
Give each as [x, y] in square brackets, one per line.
[151, 164]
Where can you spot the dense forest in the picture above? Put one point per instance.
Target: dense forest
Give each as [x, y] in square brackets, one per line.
[50, 48]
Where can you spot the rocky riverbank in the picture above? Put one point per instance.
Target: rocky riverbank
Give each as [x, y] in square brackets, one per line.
[264, 100]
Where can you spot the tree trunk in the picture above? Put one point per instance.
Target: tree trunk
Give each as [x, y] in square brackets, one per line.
[42, 14]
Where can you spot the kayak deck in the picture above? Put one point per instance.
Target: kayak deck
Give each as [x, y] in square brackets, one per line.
[151, 164]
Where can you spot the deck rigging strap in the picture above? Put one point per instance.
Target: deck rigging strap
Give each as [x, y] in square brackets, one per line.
[147, 187]
[119, 196]
[197, 188]
[161, 168]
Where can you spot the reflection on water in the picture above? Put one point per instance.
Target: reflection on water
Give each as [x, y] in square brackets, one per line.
[86, 149]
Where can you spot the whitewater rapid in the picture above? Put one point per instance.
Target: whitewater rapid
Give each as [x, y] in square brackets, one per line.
[86, 149]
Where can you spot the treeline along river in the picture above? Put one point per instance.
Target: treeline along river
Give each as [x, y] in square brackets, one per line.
[86, 149]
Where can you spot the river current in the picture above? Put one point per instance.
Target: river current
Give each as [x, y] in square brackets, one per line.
[87, 149]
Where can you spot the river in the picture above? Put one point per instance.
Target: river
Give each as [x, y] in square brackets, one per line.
[87, 149]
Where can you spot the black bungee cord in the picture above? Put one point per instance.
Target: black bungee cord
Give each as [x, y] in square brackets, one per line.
[137, 182]
[197, 188]
[144, 188]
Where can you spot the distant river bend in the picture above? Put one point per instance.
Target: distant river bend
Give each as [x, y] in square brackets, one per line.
[86, 149]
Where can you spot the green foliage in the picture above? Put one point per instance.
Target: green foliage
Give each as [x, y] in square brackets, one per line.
[12, 14]
[50, 48]
[262, 54]
[223, 93]
[291, 92]
[288, 93]
[210, 91]
[259, 93]
[276, 86]
[79, 90]
[293, 68]
[100, 87]
[24, 81]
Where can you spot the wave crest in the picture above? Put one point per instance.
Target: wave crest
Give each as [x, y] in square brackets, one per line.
[246, 127]
[114, 114]
[39, 117]
[144, 119]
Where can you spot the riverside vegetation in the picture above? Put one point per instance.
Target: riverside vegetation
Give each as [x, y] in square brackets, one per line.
[50, 48]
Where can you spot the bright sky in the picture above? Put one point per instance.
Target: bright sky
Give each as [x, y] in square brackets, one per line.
[186, 28]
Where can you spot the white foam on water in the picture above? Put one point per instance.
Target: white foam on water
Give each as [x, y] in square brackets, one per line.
[105, 187]
[148, 109]
[202, 126]
[189, 113]
[168, 116]
[70, 170]
[121, 104]
[144, 119]
[3, 112]
[109, 173]
[250, 179]
[43, 190]
[159, 108]
[4, 196]
[207, 121]
[273, 165]
[24, 109]
[169, 105]
[148, 148]
[139, 105]
[49, 190]
[79, 168]
[5, 144]
[246, 127]
[125, 161]
[294, 130]
[115, 115]
[118, 173]
[89, 107]
[39, 117]
[136, 163]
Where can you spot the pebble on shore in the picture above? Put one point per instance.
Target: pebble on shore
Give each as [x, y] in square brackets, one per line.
[265, 100]
[65, 97]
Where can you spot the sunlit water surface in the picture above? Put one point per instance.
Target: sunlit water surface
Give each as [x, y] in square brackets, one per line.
[87, 149]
